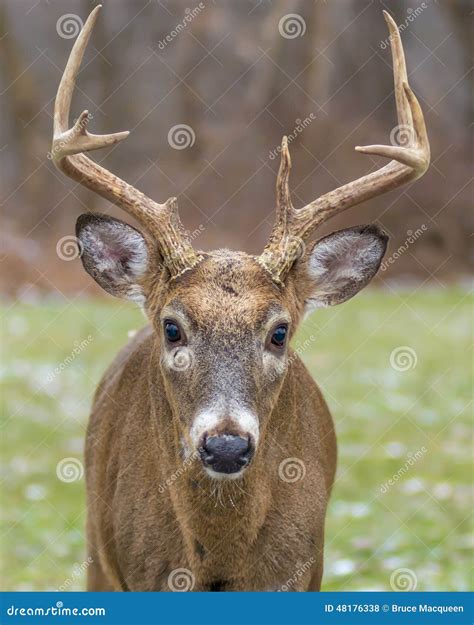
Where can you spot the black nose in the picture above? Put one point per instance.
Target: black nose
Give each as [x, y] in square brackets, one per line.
[226, 453]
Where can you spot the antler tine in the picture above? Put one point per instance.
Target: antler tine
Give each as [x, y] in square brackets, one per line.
[283, 198]
[159, 220]
[62, 104]
[278, 255]
[283, 188]
[409, 113]
[409, 162]
[399, 72]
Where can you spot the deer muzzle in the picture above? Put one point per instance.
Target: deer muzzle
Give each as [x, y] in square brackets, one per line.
[226, 445]
[226, 453]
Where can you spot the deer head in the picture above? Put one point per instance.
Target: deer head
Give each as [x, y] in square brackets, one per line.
[223, 319]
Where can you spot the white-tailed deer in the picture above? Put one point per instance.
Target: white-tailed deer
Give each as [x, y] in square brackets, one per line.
[202, 423]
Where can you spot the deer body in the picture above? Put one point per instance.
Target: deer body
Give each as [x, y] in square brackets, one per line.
[210, 453]
[257, 535]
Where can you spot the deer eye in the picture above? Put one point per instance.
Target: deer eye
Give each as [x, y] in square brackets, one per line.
[172, 331]
[279, 335]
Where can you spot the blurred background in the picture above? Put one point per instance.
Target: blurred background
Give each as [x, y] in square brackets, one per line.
[237, 78]
[208, 89]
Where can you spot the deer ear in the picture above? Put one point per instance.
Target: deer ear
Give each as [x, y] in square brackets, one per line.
[340, 265]
[114, 254]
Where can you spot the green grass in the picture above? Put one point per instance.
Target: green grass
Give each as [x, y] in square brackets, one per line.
[384, 417]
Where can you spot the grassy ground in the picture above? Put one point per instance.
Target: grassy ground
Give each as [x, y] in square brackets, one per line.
[400, 415]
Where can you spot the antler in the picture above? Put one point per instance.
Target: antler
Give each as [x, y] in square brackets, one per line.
[161, 221]
[409, 162]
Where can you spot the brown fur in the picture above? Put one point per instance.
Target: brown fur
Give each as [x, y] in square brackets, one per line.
[256, 533]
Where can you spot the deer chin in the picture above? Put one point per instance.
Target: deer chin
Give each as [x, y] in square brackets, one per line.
[223, 477]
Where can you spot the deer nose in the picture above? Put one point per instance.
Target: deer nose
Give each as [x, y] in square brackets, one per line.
[226, 453]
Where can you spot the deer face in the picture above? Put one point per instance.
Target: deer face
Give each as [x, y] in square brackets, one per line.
[223, 327]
